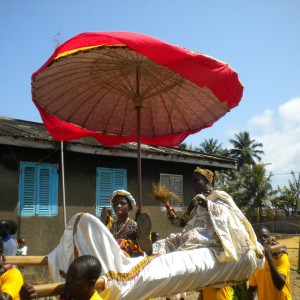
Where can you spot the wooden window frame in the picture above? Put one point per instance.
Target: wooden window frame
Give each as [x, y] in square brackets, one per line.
[174, 183]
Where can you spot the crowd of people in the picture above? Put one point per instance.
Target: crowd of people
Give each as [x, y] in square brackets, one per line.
[211, 220]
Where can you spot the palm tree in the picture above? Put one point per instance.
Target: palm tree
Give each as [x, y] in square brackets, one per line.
[210, 146]
[245, 150]
[289, 196]
[185, 146]
[252, 189]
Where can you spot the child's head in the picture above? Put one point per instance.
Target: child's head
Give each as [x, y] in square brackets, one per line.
[21, 242]
[154, 236]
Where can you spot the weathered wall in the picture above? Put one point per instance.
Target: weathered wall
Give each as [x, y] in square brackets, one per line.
[43, 233]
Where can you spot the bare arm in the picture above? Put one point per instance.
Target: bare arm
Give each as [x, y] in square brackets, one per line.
[277, 278]
[173, 218]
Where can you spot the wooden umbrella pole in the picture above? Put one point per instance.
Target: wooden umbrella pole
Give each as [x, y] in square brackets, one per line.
[139, 162]
[63, 181]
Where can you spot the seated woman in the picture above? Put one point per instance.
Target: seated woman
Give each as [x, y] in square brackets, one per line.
[124, 229]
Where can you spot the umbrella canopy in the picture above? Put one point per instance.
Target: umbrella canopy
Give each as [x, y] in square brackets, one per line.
[121, 87]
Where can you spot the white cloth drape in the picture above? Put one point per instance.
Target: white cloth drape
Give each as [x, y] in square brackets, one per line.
[146, 277]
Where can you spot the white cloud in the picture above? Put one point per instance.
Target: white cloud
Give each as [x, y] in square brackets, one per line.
[264, 121]
[289, 113]
[279, 132]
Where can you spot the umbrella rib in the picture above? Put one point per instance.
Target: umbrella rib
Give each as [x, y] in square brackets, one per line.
[67, 103]
[202, 103]
[167, 90]
[207, 107]
[61, 83]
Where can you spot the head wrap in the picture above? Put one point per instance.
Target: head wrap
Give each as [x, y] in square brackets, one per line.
[209, 175]
[123, 193]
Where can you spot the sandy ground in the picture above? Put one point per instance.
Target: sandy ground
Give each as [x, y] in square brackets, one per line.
[292, 244]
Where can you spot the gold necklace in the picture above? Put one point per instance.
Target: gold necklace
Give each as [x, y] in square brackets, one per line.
[118, 229]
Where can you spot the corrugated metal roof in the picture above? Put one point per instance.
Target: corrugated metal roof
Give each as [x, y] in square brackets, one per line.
[27, 131]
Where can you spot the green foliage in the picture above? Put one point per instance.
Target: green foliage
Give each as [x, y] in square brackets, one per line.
[250, 188]
[249, 185]
[239, 291]
[289, 197]
[245, 150]
[185, 146]
[210, 146]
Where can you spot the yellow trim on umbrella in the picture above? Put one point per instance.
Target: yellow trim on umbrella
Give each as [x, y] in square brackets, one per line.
[69, 52]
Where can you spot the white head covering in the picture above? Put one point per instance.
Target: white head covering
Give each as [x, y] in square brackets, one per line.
[123, 193]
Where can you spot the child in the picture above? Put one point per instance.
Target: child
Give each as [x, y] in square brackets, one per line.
[22, 247]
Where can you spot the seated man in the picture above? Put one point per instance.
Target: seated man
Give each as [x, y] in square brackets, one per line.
[205, 221]
[11, 279]
[212, 220]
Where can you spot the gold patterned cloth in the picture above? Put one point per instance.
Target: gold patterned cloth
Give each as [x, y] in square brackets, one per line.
[222, 227]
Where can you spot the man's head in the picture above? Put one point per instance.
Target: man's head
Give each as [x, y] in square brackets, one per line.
[4, 228]
[263, 235]
[81, 277]
[202, 180]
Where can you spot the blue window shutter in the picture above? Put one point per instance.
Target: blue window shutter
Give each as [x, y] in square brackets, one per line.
[46, 186]
[27, 193]
[38, 192]
[119, 179]
[103, 188]
[108, 180]
[43, 189]
[54, 190]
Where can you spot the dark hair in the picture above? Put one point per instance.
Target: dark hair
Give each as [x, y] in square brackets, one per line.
[5, 226]
[10, 225]
[90, 265]
[260, 227]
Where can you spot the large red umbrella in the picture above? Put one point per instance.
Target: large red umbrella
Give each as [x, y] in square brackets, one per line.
[121, 87]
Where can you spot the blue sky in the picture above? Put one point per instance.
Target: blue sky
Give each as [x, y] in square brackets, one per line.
[258, 39]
